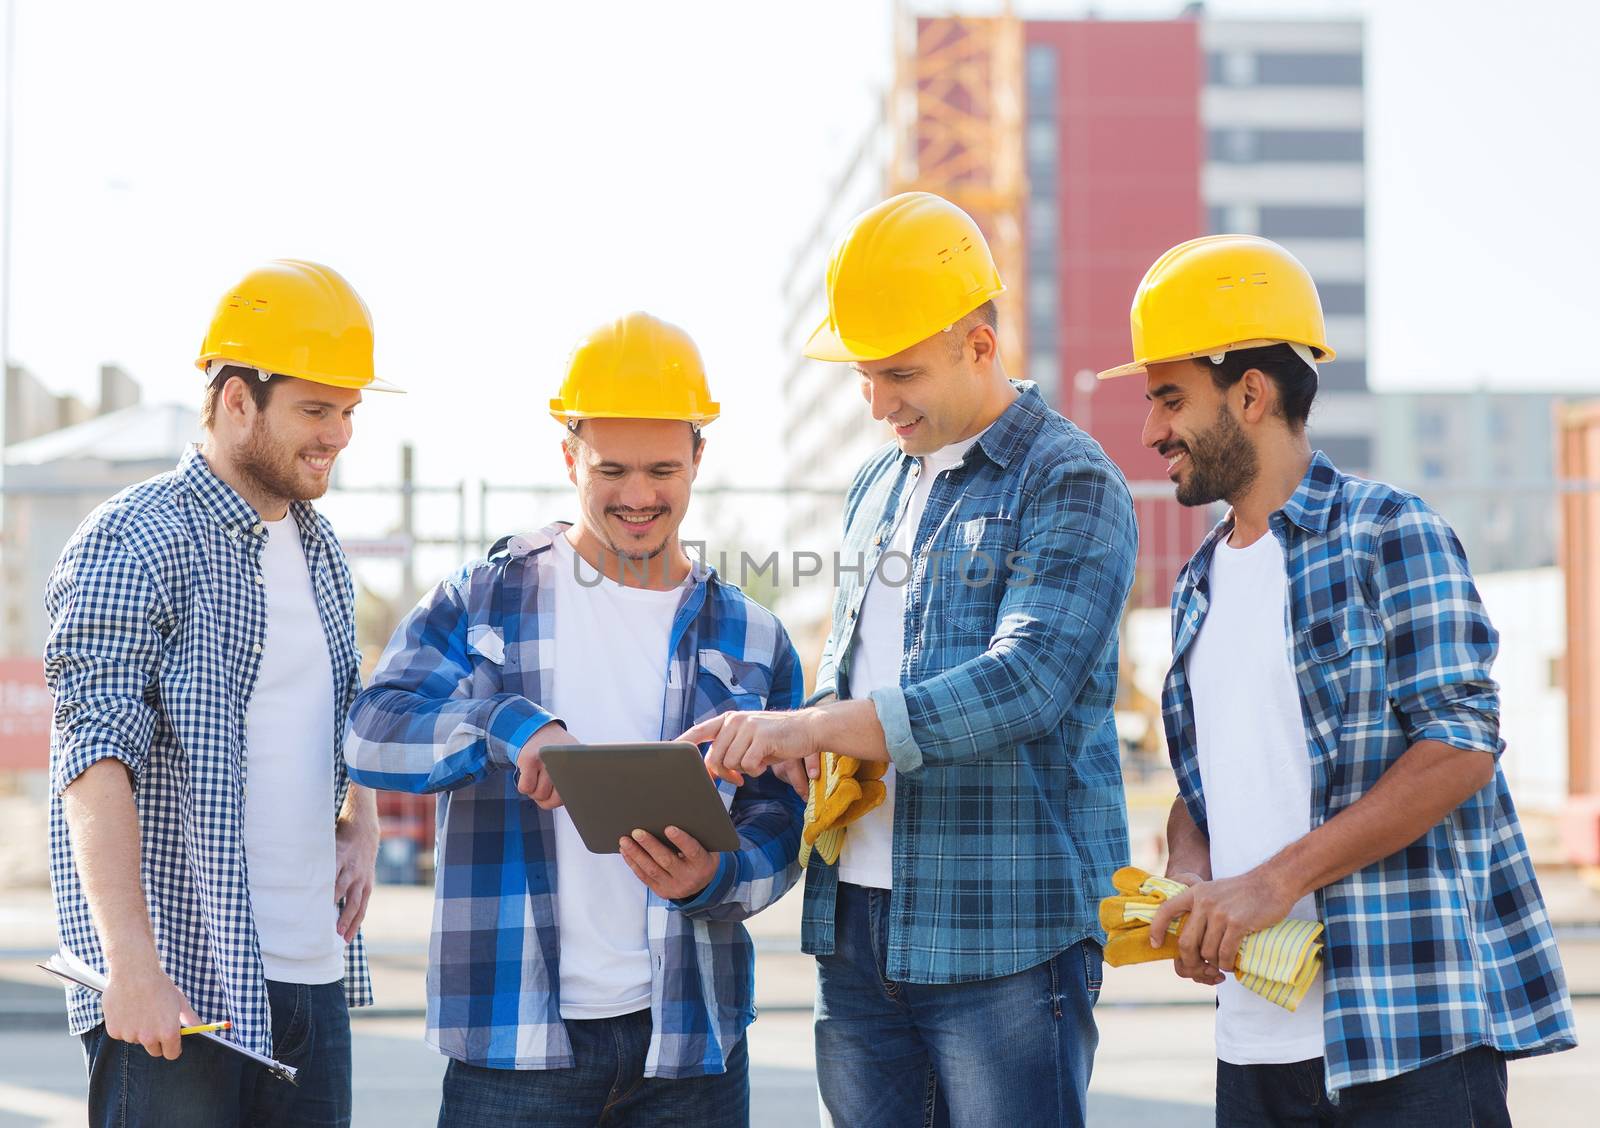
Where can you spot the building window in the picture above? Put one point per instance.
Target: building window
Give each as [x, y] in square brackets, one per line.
[1308, 69]
[1350, 453]
[1342, 375]
[1217, 220]
[1430, 424]
[1343, 299]
[1243, 146]
[1280, 222]
[1041, 68]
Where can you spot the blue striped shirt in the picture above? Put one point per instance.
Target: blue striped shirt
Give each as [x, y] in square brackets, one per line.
[454, 698]
[1444, 945]
[1009, 811]
[157, 624]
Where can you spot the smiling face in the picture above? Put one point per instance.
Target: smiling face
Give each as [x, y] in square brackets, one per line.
[286, 449]
[1193, 425]
[938, 391]
[634, 478]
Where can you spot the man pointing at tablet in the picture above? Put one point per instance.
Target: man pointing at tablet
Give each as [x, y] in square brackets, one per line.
[566, 986]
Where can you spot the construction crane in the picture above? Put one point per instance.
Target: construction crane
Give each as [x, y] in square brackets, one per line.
[956, 125]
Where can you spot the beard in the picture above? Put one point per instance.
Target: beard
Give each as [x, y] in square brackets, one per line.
[1222, 463]
[274, 468]
[637, 554]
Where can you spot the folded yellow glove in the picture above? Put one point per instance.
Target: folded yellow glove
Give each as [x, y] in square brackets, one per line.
[1278, 963]
[843, 791]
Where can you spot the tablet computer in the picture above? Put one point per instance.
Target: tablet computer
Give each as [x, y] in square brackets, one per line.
[611, 790]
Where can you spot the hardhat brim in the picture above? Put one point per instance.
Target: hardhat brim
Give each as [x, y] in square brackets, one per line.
[376, 384]
[825, 344]
[1135, 367]
[564, 416]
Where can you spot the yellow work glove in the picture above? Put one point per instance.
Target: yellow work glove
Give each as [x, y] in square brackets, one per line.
[1279, 962]
[845, 789]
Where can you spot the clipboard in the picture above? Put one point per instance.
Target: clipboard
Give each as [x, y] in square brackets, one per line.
[70, 969]
[610, 790]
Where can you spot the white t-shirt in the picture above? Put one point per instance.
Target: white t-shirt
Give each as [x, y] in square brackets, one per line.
[875, 653]
[612, 646]
[288, 809]
[1255, 769]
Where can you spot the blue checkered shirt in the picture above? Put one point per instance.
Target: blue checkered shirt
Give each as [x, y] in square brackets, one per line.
[454, 698]
[157, 621]
[1009, 813]
[1446, 944]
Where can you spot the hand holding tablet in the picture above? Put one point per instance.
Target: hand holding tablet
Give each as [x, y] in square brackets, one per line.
[611, 790]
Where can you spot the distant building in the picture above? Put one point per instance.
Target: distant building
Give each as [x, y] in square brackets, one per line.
[54, 479]
[1485, 460]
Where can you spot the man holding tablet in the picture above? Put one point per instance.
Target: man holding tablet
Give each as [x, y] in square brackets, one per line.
[564, 985]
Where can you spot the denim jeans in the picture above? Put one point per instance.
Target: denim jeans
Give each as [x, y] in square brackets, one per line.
[606, 1086]
[1015, 1050]
[210, 1087]
[1467, 1089]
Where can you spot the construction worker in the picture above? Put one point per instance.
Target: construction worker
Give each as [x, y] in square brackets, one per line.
[208, 853]
[1335, 732]
[970, 804]
[565, 987]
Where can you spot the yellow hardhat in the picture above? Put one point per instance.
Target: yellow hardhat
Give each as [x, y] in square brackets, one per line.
[1219, 293]
[294, 318]
[636, 367]
[912, 266]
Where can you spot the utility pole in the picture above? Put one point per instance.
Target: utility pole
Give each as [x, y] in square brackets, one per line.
[408, 524]
[5, 214]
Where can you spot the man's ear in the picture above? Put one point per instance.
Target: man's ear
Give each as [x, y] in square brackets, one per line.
[1258, 392]
[983, 343]
[232, 399]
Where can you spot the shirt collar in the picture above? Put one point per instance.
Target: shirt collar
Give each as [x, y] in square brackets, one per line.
[1308, 509]
[1012, 433]
[1311, 504]
[222, 503]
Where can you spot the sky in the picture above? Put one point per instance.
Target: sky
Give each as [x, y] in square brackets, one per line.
[495, 177]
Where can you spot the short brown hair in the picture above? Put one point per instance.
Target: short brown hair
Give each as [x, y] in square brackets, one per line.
[260, 390]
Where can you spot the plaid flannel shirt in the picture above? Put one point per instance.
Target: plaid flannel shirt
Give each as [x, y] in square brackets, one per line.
[454, 698]
[1009, 812]
[157, 621]
[1444, 945]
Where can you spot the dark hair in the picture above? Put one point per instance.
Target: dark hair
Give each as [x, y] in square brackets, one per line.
[1296, 380]
[260, 390]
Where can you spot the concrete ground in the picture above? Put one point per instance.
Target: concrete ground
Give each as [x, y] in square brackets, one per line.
[1155, 1061]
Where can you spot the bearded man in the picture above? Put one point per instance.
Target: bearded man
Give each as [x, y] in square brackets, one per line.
[1335, 730]
[208, 852]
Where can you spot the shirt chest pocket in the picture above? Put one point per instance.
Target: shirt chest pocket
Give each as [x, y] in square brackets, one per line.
[725, 684]
[972, 573]
[1341, 661]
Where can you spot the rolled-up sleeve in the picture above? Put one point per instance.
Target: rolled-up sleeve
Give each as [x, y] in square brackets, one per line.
[1059, 614]
[418, 727]
[1439, 642]
[101, 656]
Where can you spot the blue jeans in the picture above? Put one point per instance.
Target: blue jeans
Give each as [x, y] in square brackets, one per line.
[1015, 1050]
[1469, 1088]
[606, 1086]
[210, 1087]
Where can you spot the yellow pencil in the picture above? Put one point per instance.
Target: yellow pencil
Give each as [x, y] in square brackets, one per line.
[205, 1028]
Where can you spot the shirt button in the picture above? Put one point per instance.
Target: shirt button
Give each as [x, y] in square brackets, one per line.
[261, 579]
[257, 527]
[256, 648]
